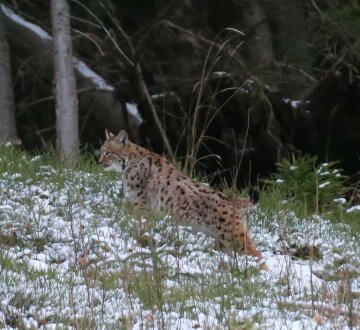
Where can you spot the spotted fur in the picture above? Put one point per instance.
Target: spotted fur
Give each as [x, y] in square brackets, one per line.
[151, 181]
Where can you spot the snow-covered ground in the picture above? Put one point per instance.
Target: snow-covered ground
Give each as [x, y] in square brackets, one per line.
[74, 257]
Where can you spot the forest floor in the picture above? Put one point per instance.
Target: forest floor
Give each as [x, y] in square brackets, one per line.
[74, 257]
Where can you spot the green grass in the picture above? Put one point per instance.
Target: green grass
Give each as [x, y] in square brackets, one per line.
[275, 200]
[339, 215]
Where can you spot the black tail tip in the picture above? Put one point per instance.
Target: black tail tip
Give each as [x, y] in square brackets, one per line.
[254, 195]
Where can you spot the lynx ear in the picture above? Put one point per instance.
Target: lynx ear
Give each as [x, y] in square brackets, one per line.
[122, 138]
[108, 134]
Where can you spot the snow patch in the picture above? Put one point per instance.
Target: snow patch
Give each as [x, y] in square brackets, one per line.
[295, 104]
[220, 74]
[355, 208]
[340, 200]
[132, 108]
[79, 246]
[323, 185]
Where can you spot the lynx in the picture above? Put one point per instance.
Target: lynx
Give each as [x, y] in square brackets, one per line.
[151, 181]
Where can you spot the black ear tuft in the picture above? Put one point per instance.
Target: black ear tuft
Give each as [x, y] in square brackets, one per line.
[122, 138]
[254, 195]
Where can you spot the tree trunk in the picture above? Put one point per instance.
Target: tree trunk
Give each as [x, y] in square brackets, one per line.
[66, 96]
[259, 39]
[289, 29]
[8, 131]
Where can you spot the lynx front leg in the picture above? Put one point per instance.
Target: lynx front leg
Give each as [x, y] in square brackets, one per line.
[140, 225]
[251, 250]
[245, 243]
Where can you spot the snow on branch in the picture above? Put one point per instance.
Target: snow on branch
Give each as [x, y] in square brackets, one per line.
[81, 69]
[85, 71]
[9, 13]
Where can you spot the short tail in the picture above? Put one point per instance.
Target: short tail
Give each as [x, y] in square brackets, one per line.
[254, 195]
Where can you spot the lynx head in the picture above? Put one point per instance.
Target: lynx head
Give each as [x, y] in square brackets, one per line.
[114, 153]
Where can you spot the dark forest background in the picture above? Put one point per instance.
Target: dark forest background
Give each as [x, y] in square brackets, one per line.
[236, 85]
